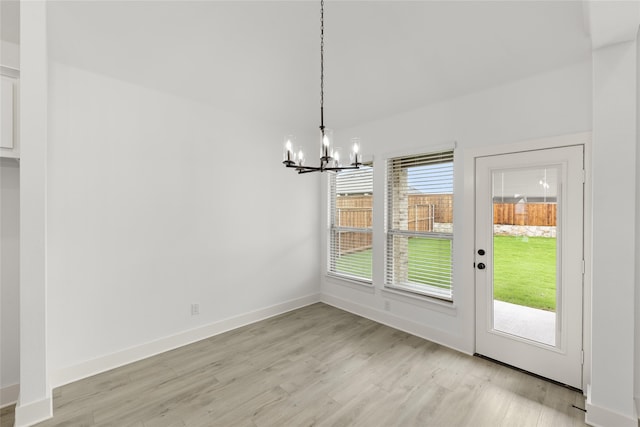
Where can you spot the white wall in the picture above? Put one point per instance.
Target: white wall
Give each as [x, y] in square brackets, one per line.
[637, 246]
[610, 397]
[9, 280]
[9, 260]
[156, 202]
[9, 54]
[550, 104]
[35, 401]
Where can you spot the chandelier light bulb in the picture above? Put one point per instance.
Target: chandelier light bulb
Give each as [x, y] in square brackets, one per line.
[336, 158]
[355, 157]
[326, 144]
[288, 155]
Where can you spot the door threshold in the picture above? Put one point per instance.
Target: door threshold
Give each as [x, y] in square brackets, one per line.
[515, 368]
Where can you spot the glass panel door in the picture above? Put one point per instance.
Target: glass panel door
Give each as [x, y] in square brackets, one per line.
[525, 280]
[529, 263]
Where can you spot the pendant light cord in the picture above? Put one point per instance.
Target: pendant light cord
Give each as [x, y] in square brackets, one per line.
[322, 66]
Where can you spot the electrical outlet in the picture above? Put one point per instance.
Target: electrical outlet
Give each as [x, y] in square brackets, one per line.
[195, 309]
[387, 305]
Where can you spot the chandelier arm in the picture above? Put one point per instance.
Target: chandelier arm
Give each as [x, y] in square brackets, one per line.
[342, 168]
[301, 171]
[307, 169]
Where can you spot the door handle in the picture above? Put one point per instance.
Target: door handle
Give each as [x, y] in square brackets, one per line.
[481, 266]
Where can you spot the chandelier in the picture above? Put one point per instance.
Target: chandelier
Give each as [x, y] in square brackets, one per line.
[329, 156]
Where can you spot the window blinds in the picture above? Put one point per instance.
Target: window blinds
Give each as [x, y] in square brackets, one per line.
[420, 224]
[351, 217]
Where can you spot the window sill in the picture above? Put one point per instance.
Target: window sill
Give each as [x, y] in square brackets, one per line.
[352, 283]
[433, 303]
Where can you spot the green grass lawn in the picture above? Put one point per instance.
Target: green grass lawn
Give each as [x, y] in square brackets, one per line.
[524, 270]
[356, 264]
[359, 263]
[436, 252]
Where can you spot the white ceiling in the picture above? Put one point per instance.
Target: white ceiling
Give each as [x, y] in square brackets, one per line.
[262, 58]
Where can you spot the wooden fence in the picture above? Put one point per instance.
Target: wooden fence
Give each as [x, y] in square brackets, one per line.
[423, 211]
[426, 209]
[353, 211]
[537, 214]
[356, 211]
[437, 207]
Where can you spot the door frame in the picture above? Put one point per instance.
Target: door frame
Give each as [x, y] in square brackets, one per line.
[468, 240]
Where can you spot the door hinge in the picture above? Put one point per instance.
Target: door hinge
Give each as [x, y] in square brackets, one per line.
[582, 357]
[584, 267]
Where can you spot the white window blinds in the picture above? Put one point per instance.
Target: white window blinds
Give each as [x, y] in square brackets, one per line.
[420, 224]
[351, 217]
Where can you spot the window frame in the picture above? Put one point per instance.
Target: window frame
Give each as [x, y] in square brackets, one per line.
[334, 229]
[413, 288]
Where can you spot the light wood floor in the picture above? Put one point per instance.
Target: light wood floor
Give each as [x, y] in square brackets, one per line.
[314, 366]
[6, 416]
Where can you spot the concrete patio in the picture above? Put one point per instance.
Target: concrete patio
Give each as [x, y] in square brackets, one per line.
[526, 322]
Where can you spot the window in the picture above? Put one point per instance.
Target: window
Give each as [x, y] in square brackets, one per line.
[420, 224]
[351, 217]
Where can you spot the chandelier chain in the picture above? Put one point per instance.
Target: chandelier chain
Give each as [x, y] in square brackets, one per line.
[329, 158]
[322, 65]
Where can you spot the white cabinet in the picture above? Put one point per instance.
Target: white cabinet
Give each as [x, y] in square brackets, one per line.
[9, 135]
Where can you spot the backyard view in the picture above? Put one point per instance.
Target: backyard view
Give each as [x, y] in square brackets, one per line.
[420, 231]
[524, 270]
[418, 248]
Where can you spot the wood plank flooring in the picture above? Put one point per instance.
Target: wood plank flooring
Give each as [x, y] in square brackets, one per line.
[6, 416]
[314, 366]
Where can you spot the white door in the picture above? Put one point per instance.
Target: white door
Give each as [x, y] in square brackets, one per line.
[529, 261]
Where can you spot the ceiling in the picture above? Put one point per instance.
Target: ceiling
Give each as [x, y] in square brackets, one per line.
[261, 59]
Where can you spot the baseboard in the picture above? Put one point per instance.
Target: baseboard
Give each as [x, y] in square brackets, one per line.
[598, 416]
[406, 325]
[34, 412]
[95, 366]
[9, 395]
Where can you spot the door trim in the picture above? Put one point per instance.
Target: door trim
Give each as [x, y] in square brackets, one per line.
[467, 237]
